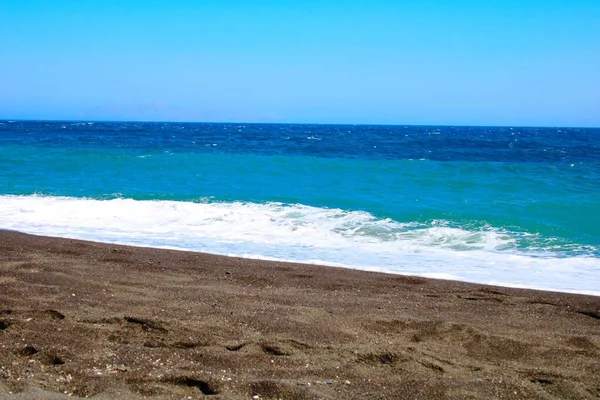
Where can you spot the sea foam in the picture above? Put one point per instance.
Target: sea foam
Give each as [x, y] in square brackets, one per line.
[300, 233]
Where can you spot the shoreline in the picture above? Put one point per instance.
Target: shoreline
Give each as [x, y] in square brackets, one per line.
[113, 321]
[374, 269]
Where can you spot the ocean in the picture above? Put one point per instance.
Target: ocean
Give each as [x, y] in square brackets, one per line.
[508, 206]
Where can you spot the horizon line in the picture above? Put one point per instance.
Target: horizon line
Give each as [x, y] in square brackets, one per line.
[292, 123]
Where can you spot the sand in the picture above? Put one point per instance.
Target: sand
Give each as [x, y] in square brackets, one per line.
[105, 321]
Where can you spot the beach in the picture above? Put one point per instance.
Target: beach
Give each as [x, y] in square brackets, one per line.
[87, 319]
[299, 200]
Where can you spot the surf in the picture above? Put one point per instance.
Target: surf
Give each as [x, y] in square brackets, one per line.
[308, 234]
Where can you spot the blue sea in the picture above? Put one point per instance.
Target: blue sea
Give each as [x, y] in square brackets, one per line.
[510, 206]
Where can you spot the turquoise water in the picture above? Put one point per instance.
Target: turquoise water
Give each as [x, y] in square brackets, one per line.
[515, 206]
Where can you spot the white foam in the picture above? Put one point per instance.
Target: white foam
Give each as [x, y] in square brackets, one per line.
[334, 237]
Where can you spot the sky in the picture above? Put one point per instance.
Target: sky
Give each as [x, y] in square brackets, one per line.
[461, 62]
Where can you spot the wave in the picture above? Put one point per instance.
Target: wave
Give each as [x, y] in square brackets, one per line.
[301, 233]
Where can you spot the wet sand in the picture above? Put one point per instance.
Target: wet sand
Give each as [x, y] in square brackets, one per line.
[116, 322]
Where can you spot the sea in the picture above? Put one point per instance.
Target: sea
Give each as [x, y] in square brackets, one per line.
[508, 206]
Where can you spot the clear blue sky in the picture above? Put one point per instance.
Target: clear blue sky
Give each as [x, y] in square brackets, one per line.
[509, 62]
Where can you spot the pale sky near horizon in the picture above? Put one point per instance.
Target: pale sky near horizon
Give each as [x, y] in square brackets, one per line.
[462, 62]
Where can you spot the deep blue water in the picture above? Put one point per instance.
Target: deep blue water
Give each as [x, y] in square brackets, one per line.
[474, 203]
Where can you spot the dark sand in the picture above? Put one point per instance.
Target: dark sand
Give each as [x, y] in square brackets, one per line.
[107, 321]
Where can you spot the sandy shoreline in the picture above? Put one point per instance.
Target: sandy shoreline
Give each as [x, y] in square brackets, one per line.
[110, 321]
